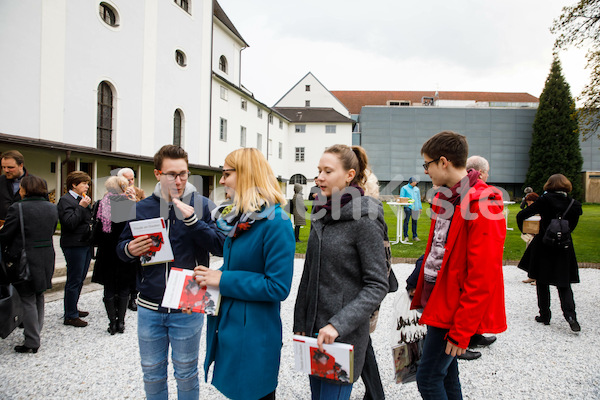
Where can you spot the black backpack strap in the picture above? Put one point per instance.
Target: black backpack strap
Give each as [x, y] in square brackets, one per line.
[568, 208]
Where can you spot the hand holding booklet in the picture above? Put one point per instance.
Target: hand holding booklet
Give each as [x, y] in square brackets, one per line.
[160, 251]
[336, 361]
[183, 291]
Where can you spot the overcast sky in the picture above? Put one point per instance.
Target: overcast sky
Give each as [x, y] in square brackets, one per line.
[446, 45]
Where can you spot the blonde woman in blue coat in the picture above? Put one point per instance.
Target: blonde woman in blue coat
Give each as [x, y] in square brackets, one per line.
[244, 341]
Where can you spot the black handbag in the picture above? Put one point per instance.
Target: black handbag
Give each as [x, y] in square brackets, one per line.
[11, 309]
[17, 269]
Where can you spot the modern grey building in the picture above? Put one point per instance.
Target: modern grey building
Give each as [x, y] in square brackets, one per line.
[393, 137]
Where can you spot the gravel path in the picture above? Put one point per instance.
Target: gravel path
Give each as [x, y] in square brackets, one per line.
[529, 361]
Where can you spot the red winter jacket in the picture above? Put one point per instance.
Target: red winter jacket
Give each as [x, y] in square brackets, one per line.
[468, 296]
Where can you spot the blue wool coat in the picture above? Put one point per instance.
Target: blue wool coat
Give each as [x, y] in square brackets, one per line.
[244, 341]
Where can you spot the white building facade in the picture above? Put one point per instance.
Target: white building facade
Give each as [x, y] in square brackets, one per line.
[100, 85]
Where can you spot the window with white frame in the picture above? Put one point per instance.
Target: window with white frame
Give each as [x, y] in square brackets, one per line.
[177, 124]
[280, 150]
[224, 93]
[223, 64]
[270, 147]
[298, 178]
[300, 128]
[329, 128]
[108, 14]
[259, 141]
[306, 103]
[271, 119]
[223, 130]
[244, 105]
[104, 128]
[299, 154]
[280, 124]
[184, 4]
[307, 88]
[180, 58]
[259, 112]
[242, 136]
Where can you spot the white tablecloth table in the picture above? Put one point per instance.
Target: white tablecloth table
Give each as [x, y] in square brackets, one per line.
[506, 214]
[398, 209]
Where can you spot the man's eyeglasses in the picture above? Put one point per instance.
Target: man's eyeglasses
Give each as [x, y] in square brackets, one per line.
[426, 165]
[172, 175]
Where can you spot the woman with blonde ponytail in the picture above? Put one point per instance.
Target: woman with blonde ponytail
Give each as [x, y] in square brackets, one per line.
[345, 273]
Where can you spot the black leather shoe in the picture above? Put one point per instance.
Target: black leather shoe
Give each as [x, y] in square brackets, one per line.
[469, 355]
[76, 322]
[542, 320]
[25, 349]
[481, 341]
[132, 305]
[574, 324]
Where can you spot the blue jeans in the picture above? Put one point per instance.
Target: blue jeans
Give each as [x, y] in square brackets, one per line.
[324, 390]
[78, 263]
[407, 216]
[156, 331]
[437, 375]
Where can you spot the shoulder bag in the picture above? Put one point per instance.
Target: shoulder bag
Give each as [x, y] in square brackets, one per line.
[17, 269]
[11, 308]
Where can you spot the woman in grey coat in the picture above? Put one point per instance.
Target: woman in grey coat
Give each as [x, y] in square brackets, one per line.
[39, 219]
[345, 272]
[299, 210]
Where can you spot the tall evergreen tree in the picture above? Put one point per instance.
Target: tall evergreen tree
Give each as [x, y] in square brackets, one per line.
[555, 141]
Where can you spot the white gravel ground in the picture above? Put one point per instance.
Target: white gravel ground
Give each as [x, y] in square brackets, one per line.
[529, 361]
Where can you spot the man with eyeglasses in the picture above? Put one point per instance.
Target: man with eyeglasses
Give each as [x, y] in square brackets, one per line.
[460, 285]
[192, 235]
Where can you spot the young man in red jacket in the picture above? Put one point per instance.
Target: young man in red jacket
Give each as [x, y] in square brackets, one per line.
[460, 287]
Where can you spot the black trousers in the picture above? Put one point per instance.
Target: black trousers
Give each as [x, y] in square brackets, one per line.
[270, 396]
[567, 302]
[370, 376]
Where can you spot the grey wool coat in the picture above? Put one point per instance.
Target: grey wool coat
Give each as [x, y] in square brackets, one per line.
[345, 275]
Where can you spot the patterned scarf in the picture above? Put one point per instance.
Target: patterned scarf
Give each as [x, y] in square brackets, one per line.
[230, 221]
[344, 198]
[104, 214]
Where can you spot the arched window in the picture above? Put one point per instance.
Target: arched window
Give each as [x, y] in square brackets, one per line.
[105, 117]
[177, 124]
[108, 14]
[180, 58]
[298, 178]
[223, 64]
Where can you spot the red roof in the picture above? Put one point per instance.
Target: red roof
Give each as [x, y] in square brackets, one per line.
[354, 100]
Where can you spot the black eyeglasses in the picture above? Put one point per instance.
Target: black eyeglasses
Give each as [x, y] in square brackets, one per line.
[172, 175]
[426, 165]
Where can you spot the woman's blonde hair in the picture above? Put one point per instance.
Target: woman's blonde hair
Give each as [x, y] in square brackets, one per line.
[116, 184]
[371, 184]
[255, 183]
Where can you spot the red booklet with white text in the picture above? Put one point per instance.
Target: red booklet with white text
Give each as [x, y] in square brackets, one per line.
[160, 251]
[183, 291]
[335, 362]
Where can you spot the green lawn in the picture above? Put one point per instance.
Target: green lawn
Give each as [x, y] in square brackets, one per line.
[586, 237]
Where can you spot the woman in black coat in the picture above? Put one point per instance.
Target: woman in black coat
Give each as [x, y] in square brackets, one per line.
[75, 215]
[550, 265]
[39, 220]
[112, 213]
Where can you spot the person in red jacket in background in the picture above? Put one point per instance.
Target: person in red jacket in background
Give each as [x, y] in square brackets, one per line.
[460, 286]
